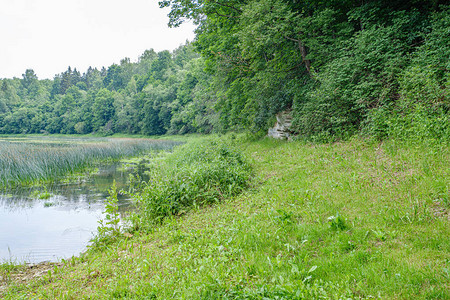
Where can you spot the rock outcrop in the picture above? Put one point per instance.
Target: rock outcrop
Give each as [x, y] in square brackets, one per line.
[281, 130]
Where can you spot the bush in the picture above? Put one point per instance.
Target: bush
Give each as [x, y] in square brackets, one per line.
[422, 110]
[195, 174]
[361, 78]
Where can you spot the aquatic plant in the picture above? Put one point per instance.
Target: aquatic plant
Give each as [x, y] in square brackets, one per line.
[28, 162]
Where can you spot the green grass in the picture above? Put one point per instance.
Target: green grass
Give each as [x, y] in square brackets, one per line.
[27, 160]
[343, 220]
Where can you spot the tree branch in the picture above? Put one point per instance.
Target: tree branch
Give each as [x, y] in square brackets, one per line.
[225, 16]
[229, 6]
[303, 53]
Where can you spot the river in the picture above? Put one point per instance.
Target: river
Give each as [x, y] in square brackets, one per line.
[34, 230]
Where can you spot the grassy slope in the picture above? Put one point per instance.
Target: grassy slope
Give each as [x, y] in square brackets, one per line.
[392, 239]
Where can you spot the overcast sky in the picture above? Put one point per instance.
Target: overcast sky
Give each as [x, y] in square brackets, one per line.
[50, 35]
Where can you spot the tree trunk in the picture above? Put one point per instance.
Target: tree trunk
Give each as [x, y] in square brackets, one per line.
[304, 53]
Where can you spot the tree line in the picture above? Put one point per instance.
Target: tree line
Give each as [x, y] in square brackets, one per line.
[151, 96]
[379, 68]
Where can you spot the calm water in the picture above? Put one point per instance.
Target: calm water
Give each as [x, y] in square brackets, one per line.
[35, 230]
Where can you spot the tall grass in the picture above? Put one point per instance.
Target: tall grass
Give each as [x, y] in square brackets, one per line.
[25, 163]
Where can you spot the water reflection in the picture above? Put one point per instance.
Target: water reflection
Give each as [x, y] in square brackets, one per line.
[36, 230]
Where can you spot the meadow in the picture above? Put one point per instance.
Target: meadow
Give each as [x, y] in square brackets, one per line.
[349, 220]
[25, 161]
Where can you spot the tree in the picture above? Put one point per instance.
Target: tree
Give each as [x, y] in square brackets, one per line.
[103, 109]
[69, 78]
[30, 83]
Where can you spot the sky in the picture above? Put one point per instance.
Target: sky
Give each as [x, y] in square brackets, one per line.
[48, 36]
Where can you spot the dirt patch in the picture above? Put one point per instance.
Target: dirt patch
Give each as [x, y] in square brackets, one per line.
[440, 210]
[23, 274]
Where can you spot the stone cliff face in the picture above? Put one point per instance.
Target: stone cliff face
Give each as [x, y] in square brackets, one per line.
[281, 130]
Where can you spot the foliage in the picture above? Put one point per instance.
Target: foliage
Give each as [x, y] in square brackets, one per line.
[343, 68]
[109, 228]
[422, 111]
[340, 64]
[194, 175]
[152, 96]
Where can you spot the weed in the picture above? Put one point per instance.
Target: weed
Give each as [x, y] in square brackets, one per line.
[337, 222]
[109, 228]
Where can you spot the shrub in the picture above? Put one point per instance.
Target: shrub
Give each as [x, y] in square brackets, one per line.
[361, 78]
[422, 110]
[195, 174]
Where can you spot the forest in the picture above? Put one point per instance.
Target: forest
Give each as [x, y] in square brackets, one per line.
[376, 68]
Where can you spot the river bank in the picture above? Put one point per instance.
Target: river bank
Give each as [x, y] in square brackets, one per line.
[355, 219]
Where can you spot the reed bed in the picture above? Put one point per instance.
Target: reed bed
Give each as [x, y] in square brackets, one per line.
[23, 163]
